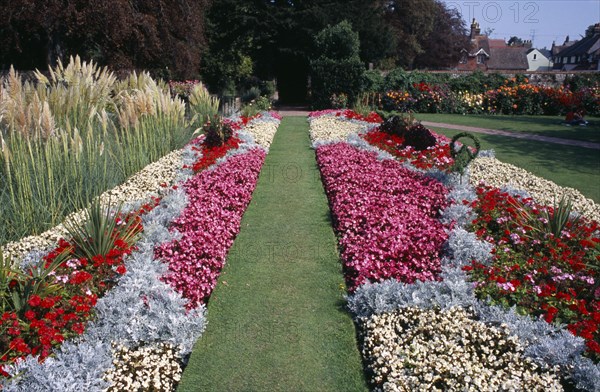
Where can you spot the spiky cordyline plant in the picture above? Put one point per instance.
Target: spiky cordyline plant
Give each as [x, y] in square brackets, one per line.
[101, 226]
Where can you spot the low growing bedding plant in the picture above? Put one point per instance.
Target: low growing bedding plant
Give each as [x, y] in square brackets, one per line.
[545, 262]
[138, 309]
[544, 356]
[384, 214]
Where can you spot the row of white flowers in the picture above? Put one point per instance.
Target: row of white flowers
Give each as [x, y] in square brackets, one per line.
[500, 174]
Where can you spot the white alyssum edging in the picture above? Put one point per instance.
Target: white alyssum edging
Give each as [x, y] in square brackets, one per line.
[416, 349]
[329, 128]
[156, 368]
[263, 129]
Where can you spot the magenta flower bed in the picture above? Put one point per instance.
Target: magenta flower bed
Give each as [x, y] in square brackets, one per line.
[209, 224]
[385, 216]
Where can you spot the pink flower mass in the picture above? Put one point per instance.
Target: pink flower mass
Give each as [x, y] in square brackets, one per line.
[209, 224]
[385, 216]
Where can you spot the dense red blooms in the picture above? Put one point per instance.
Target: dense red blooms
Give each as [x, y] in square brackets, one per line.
[385, 216]
[555, 278]
[437, 156]
[52, 316]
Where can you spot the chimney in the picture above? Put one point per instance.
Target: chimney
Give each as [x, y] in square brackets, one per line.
[566, 40]
[527, 44]
[475, 30]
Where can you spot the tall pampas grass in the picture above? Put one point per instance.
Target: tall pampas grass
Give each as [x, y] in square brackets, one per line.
[71, 135]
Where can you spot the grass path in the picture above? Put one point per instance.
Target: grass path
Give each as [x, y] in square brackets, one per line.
[276, 318]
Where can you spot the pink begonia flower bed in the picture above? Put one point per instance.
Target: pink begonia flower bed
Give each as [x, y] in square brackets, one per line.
[384, 214]
[209, 224]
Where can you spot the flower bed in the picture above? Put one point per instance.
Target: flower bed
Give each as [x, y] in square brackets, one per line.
[513, 97]
[437, 156]
[499, 174]
[142, 309]
[208, 225]
[545, 274]
[384, 215]
[414, 349]
[389, 311]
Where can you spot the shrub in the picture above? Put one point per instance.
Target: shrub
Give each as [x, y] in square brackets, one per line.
[338, 101]
[419, 137]
[463, 156]
[217, 132]
[398, 124]
[337, 67]
[396, 79]
[373, 81]
[251, 94]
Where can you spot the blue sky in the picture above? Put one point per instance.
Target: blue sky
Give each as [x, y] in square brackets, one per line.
[544, 20]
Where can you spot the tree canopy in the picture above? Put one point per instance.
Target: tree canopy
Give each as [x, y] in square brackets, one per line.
[165, 35]
[277, 36]
[228, 42]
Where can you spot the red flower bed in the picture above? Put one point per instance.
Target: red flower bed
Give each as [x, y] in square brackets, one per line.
[40, 312]
[352, 115]
[437, 156]
[211, 154]
[554, 277]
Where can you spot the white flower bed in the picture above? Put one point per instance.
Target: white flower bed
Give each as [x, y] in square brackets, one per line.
[328, 128]
[263, 130]
[415, 349]
[149, 368]
[499, 174]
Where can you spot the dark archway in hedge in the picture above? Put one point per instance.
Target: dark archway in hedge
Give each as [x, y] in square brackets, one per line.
[292, 78]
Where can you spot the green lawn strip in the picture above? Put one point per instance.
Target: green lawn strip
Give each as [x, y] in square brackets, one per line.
[569, 166]
[538, 125]
[276, 320]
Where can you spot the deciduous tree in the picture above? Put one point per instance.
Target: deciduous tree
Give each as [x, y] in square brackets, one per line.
[165, 35]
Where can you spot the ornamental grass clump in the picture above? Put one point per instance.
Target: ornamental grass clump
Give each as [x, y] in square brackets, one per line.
[202, 105]
[68, 137]
[414, 349]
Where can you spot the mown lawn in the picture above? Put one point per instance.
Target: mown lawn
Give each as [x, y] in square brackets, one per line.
[574, 167]
[276, 320]
[539, 125]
